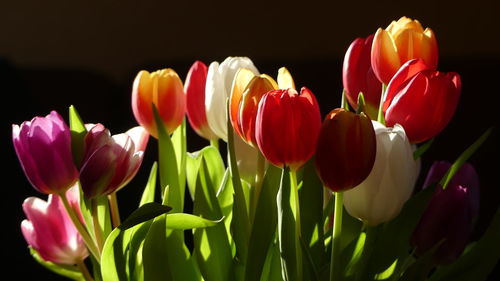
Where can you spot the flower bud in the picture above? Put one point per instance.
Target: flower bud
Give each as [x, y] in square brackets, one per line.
[380, 197]
[43, 146]
[449, 217]
[49, 230]
[400, 42]
[287, 127]
[110, 162]
[358, 76]
[195, 100]
[346, 149]
[421, 100]
[164, 89]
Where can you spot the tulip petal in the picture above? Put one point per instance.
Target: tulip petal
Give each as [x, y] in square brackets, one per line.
[384, 57]
[429, 48]
[140, 137]
[285, 79]
[241, 80]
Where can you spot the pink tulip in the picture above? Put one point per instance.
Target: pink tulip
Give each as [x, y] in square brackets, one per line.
[49, 230]
[43, 146]
[110, 162]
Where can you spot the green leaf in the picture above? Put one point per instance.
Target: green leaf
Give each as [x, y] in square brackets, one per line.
[103, 215]
[193, 161]
[422, 149]
[78, 132]
[211, 245]
[69, 271]
[113, 262]
[288, 239]
[168, 166]
[145, 212]
[180, 147]
[148, 195]
[478, 262]
[183, 221]
[240, 224]
[225, 198]
[311, 202]
[264, 225]
[463, 158]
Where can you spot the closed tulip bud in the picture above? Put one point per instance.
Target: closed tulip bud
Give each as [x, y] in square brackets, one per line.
[346, 149]
[195, 100]
[164, 89]
[218, 89]
[400, 42]
[358, 76]
[421, 100]
[449, 217]
[43, 146]
[49, 230]
[287, 127]
[380, 197]
[110, 162]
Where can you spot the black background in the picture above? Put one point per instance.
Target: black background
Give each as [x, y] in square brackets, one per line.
[87, 54]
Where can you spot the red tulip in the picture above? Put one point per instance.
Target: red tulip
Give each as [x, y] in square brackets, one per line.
[400, 42]
[43, 146]
[287, 127]
[358, 76]
[164, 89]
[195, 100]
[346, 149]
[421, 100]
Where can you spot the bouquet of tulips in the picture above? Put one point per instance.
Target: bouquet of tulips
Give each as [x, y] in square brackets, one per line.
[296, 198]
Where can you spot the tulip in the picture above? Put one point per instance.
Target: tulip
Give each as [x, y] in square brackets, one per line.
[49, 230]
[110, 162]
[43, 146]
[358, 76]
[218, 88]
[423, 101]
[346, 149]
[164, 89]
[287, 127]
[400, 42]
[380, 197]
[195, 100]
[245, 99]
[450, 214]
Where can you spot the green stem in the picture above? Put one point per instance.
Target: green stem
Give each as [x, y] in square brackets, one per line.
[259, 179]
[81, 229]
[97, 227]
[337, 230]
[215, 143]
[380, 117]
[298, 228]
[115, 212]
[84, 270]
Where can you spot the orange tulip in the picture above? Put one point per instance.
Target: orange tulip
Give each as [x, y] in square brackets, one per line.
[164, 89]
[400, 42]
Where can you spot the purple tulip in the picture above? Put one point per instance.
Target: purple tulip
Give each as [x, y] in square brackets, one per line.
[450, 214]
[110, 162]
[50, 231]
[43, 146]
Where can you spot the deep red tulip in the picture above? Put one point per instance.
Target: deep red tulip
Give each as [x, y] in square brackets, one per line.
[345, 150]
[164, 89]
[358, 76]
[450, 214]
[110, 162]
[195, 100]
[422, 100]
[287, 127]
[43, 146]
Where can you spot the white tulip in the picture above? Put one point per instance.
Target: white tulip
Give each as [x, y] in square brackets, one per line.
[380, 197]
[218, 88]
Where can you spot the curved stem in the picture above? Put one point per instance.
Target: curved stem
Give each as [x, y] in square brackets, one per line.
[259, 179]
[115, 212]
[298, 228]
[380, 117]
[97, 227]
[214, 143]
[80, 227]
[337, 230]
[84, 270]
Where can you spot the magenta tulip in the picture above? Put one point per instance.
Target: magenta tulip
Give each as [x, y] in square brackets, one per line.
[43, 146]
[450, 214]
[110, 162]
[49, 230]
